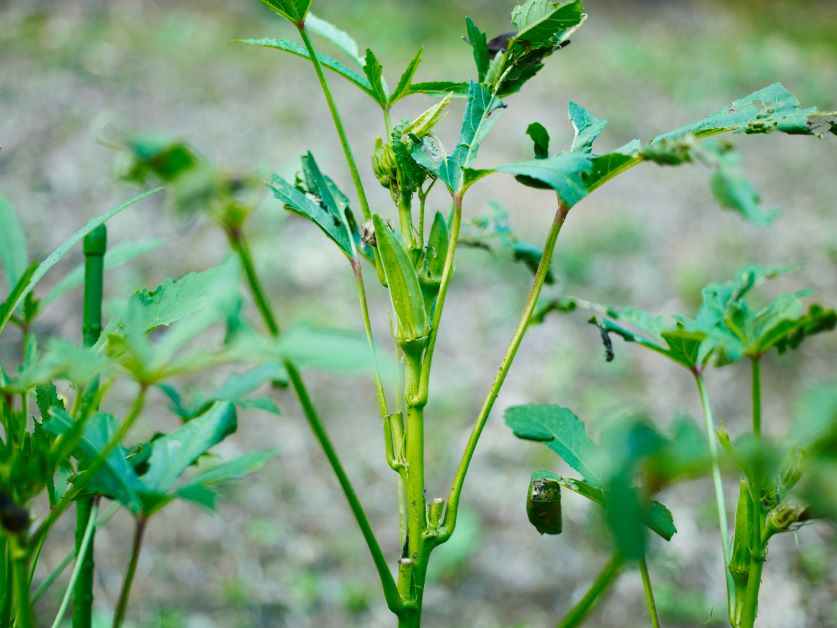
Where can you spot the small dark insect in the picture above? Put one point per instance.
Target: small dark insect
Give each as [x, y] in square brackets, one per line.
[606, 341]
[543, 503]
[500, 43]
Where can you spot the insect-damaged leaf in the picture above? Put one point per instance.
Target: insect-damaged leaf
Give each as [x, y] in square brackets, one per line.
[540, 137]
[318, 199]
[542, 28]
[476, 123]
[293, 10]
[560, 430]
[772, 108]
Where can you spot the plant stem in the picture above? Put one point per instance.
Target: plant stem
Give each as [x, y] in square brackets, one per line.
[338, 122]
[95, 246]
[717, 482]
[238, 242]
[751, 597]
[344, 139]
[649, 594]
[125, 593]
[370, 338]
[447, 275]
[405, 217]
[80, 566]
[757, 545]
[416, 507]
[505, 365]
[24, 614]
[68, 558]
[607, 576]
[756, 392]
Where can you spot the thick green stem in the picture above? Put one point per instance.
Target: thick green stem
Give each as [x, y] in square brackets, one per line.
[757, 545]
[130, 572]
[717, 483]
[95, 246]
[239, 244]
[751, 597]
[649, 594]
[23, 612]
[505, 365]
[607, 576]
[416, 507]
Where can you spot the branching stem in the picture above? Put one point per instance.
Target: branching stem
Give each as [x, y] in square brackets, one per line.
[519, 332]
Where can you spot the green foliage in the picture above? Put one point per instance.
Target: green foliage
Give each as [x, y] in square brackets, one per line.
[317, 198]
[608, 472]
[293, 10]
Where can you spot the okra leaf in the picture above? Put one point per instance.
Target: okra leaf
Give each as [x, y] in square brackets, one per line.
[116, 478]
[13, 255]
[539, 21]
[479, 43]
[562, 173]
[540, 137]
[734, 192]
[114, 257]
[178, 299]
[199, 488]
[317, 203]
[612, 164]
[772, 108]
[329, 62]
[374, 73]
[543, 27]
[657, 517]
[293, 10]
[235, 389]
[625, 514]
[403, 87]
[404, 287]
[587, 128]
[476, 123]
[560, 430]
[341, 39]
[176, 451]
[32, 277]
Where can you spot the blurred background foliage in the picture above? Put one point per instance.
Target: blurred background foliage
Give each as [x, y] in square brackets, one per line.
[283, 551]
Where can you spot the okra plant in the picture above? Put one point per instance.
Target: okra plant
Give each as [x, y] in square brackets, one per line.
[411, 255]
